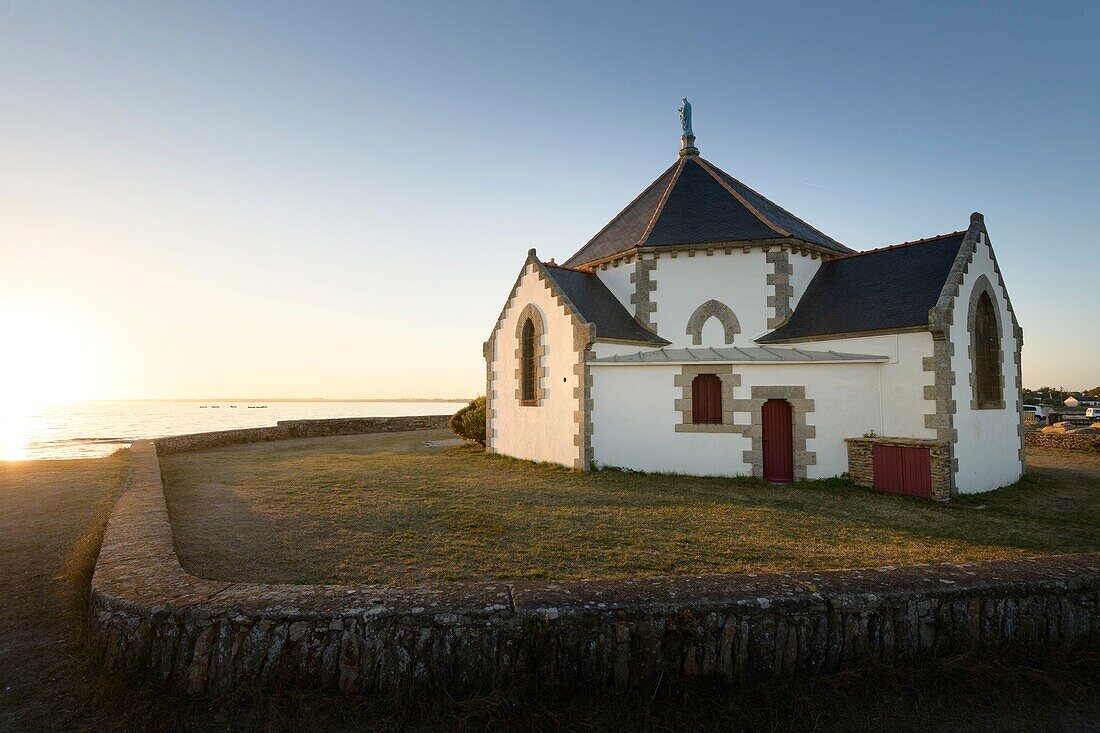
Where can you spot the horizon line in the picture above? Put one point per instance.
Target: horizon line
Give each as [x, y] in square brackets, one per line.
[274, 399]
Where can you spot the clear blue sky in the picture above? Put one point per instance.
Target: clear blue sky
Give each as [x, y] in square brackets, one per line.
[334, 199]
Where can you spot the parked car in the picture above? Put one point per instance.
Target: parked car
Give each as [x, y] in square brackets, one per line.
[1093, 413]
[1041, 413]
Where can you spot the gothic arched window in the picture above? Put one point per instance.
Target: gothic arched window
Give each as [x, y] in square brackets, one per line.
[530, 371]
[986, 349]
[528, 366]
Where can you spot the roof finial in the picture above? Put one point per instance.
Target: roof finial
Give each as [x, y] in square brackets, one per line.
[687, 140]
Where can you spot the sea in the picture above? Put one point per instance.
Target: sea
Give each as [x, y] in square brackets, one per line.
[93, 429]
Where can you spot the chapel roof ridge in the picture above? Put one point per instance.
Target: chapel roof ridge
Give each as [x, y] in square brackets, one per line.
[900, 245]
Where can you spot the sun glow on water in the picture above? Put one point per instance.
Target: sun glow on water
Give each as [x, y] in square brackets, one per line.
[45, 357]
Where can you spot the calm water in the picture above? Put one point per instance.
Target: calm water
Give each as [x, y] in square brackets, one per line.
[90, 429]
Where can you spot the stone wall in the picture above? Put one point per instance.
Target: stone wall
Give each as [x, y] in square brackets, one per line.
[151, 618]
[861, 464]
[285, 429]
[1064, 441]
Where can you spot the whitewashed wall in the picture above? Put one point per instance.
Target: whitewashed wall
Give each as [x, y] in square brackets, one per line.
[634, 417]
[899, 383]
[805, 267]
[545, 432]
[617, 280]
[684, 283]
[988, 441]
[633, 421]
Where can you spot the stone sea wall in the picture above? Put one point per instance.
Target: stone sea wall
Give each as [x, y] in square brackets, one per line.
[152, 619]
[285, 429]
[1064, 441]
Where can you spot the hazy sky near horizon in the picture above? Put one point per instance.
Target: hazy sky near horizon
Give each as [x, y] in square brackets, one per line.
[333, 200]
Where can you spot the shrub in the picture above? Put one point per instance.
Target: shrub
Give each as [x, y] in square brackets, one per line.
[469, 422]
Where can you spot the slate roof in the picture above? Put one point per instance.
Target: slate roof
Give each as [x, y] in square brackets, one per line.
[596, 304]
[694, 202]
[752, 354]
[882, 289]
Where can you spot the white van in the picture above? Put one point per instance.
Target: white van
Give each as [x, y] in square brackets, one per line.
[1041, 413]
[1093, 413]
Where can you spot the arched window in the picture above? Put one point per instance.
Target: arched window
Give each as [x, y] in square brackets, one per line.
[988, 391]
[530, 371]
[529, 368]
[706, 400]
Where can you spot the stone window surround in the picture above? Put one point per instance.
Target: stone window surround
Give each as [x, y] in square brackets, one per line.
[983, 286]
[532, 313]
[795, 395]
[712, 309]
[683, 405]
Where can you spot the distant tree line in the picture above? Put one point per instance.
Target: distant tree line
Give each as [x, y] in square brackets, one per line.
[1058, 395]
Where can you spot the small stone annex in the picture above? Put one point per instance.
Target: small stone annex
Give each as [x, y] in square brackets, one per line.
[706, 330]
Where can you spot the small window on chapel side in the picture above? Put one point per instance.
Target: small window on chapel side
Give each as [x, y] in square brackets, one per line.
[706, 400]
[987, 356]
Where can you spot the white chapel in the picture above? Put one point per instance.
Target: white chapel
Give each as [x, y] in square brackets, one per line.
[706, 330]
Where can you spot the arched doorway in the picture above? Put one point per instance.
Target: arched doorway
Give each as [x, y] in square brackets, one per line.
[778, 444]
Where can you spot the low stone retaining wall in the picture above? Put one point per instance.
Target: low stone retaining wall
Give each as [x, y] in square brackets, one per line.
[1063, 441]
[151, 618]
[285, 429]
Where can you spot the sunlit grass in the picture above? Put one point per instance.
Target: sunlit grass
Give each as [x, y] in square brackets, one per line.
[388, 509]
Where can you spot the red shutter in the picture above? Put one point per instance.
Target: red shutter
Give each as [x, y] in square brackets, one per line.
[706, 399]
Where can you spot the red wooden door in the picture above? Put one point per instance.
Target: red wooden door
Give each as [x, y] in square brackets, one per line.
[902, 470]
[777, 434]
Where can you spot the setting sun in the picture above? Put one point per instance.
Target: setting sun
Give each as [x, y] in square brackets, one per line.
[49, 356]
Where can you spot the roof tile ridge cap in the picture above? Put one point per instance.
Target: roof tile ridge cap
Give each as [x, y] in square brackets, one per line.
[794, 216]
[900, 245]
[585, 270]
[661, 204]
[626, 208]
[765, 220]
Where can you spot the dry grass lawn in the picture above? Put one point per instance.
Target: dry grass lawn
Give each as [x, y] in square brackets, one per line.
[389, 509]
[51, 520]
